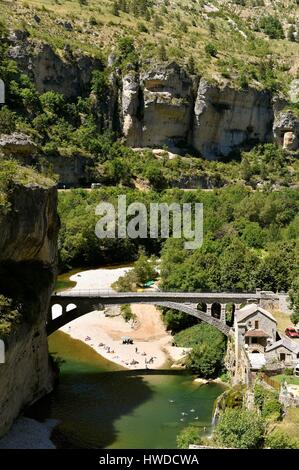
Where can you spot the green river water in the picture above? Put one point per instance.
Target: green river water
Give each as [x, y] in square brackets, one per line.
[101, 405]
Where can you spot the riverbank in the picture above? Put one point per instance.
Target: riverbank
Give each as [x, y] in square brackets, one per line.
[104, 330]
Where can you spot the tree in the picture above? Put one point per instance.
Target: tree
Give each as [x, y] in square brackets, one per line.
[145, 268]
[253, 235]
[188, 436]
[126, 52]
[7, 120]
[241, 429]
[52, 102]
[205, 360]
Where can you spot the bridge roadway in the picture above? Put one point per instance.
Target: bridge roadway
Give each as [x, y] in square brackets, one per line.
[76, 303]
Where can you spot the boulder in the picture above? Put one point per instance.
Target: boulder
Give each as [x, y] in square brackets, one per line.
[290, 141]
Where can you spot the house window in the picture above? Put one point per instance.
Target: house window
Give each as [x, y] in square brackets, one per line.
[254, 340]
[282, 356]
[256, 324]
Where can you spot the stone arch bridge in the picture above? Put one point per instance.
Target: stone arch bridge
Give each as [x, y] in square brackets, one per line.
[208, 307]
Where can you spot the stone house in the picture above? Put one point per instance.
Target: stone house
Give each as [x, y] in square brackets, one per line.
[256, 330]
[284, 351]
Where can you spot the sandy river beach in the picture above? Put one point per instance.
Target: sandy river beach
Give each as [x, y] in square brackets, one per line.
[104, 330]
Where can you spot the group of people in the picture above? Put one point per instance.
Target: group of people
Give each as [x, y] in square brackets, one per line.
[125, 362]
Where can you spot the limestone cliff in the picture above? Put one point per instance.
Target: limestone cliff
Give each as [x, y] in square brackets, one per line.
[167, 107]
[225, 119]
[68, 73]
[161, 105]
[28, 252]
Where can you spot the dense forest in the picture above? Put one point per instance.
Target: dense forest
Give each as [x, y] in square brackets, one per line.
[250, 238]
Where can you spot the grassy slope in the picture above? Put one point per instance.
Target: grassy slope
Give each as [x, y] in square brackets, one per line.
[290, 423]
[187, 28]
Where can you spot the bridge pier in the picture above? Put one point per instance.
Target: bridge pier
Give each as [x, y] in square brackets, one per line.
[223, 313]
[209, 309]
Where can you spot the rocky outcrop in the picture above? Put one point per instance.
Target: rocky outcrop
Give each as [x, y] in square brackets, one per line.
[157, 107]
[28, 253]
[225, 119]
[166, 107]
[286, 130]
[29, 230]
[160, 106]
[17, 144]
[69, 74]
[131, 104]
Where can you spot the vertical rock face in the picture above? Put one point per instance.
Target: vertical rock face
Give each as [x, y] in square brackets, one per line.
[28, 253]
[167, 109]
[160, 109]
[227, 118]
[69, 75]
[131, 103]
[157, 107]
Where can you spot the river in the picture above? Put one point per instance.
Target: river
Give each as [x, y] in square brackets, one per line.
[100, 405]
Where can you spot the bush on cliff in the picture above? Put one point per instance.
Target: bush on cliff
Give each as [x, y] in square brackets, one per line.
[240, 429]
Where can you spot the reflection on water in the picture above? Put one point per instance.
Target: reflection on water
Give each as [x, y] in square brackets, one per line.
[101, 405]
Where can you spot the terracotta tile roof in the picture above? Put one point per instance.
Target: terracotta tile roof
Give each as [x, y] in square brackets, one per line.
[256, 334]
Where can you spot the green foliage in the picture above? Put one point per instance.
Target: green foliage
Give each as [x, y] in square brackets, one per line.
[200, 334]
[240, 429]
[211, 50]
[207, 355]
[279, 440]
[188, 436]
[205, 360]
[268, 403]
[7, 120]
[10, 315]
[126, 52]
[126, 312]
[176, 321]
[144, 269]
[271, 26]
[52, 102]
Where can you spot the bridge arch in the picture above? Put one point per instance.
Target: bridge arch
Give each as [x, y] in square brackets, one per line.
[87, 307]
[56, 311]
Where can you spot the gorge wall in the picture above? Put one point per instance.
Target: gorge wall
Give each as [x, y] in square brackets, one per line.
[166, 107]
[162, 105]
[28, 255]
